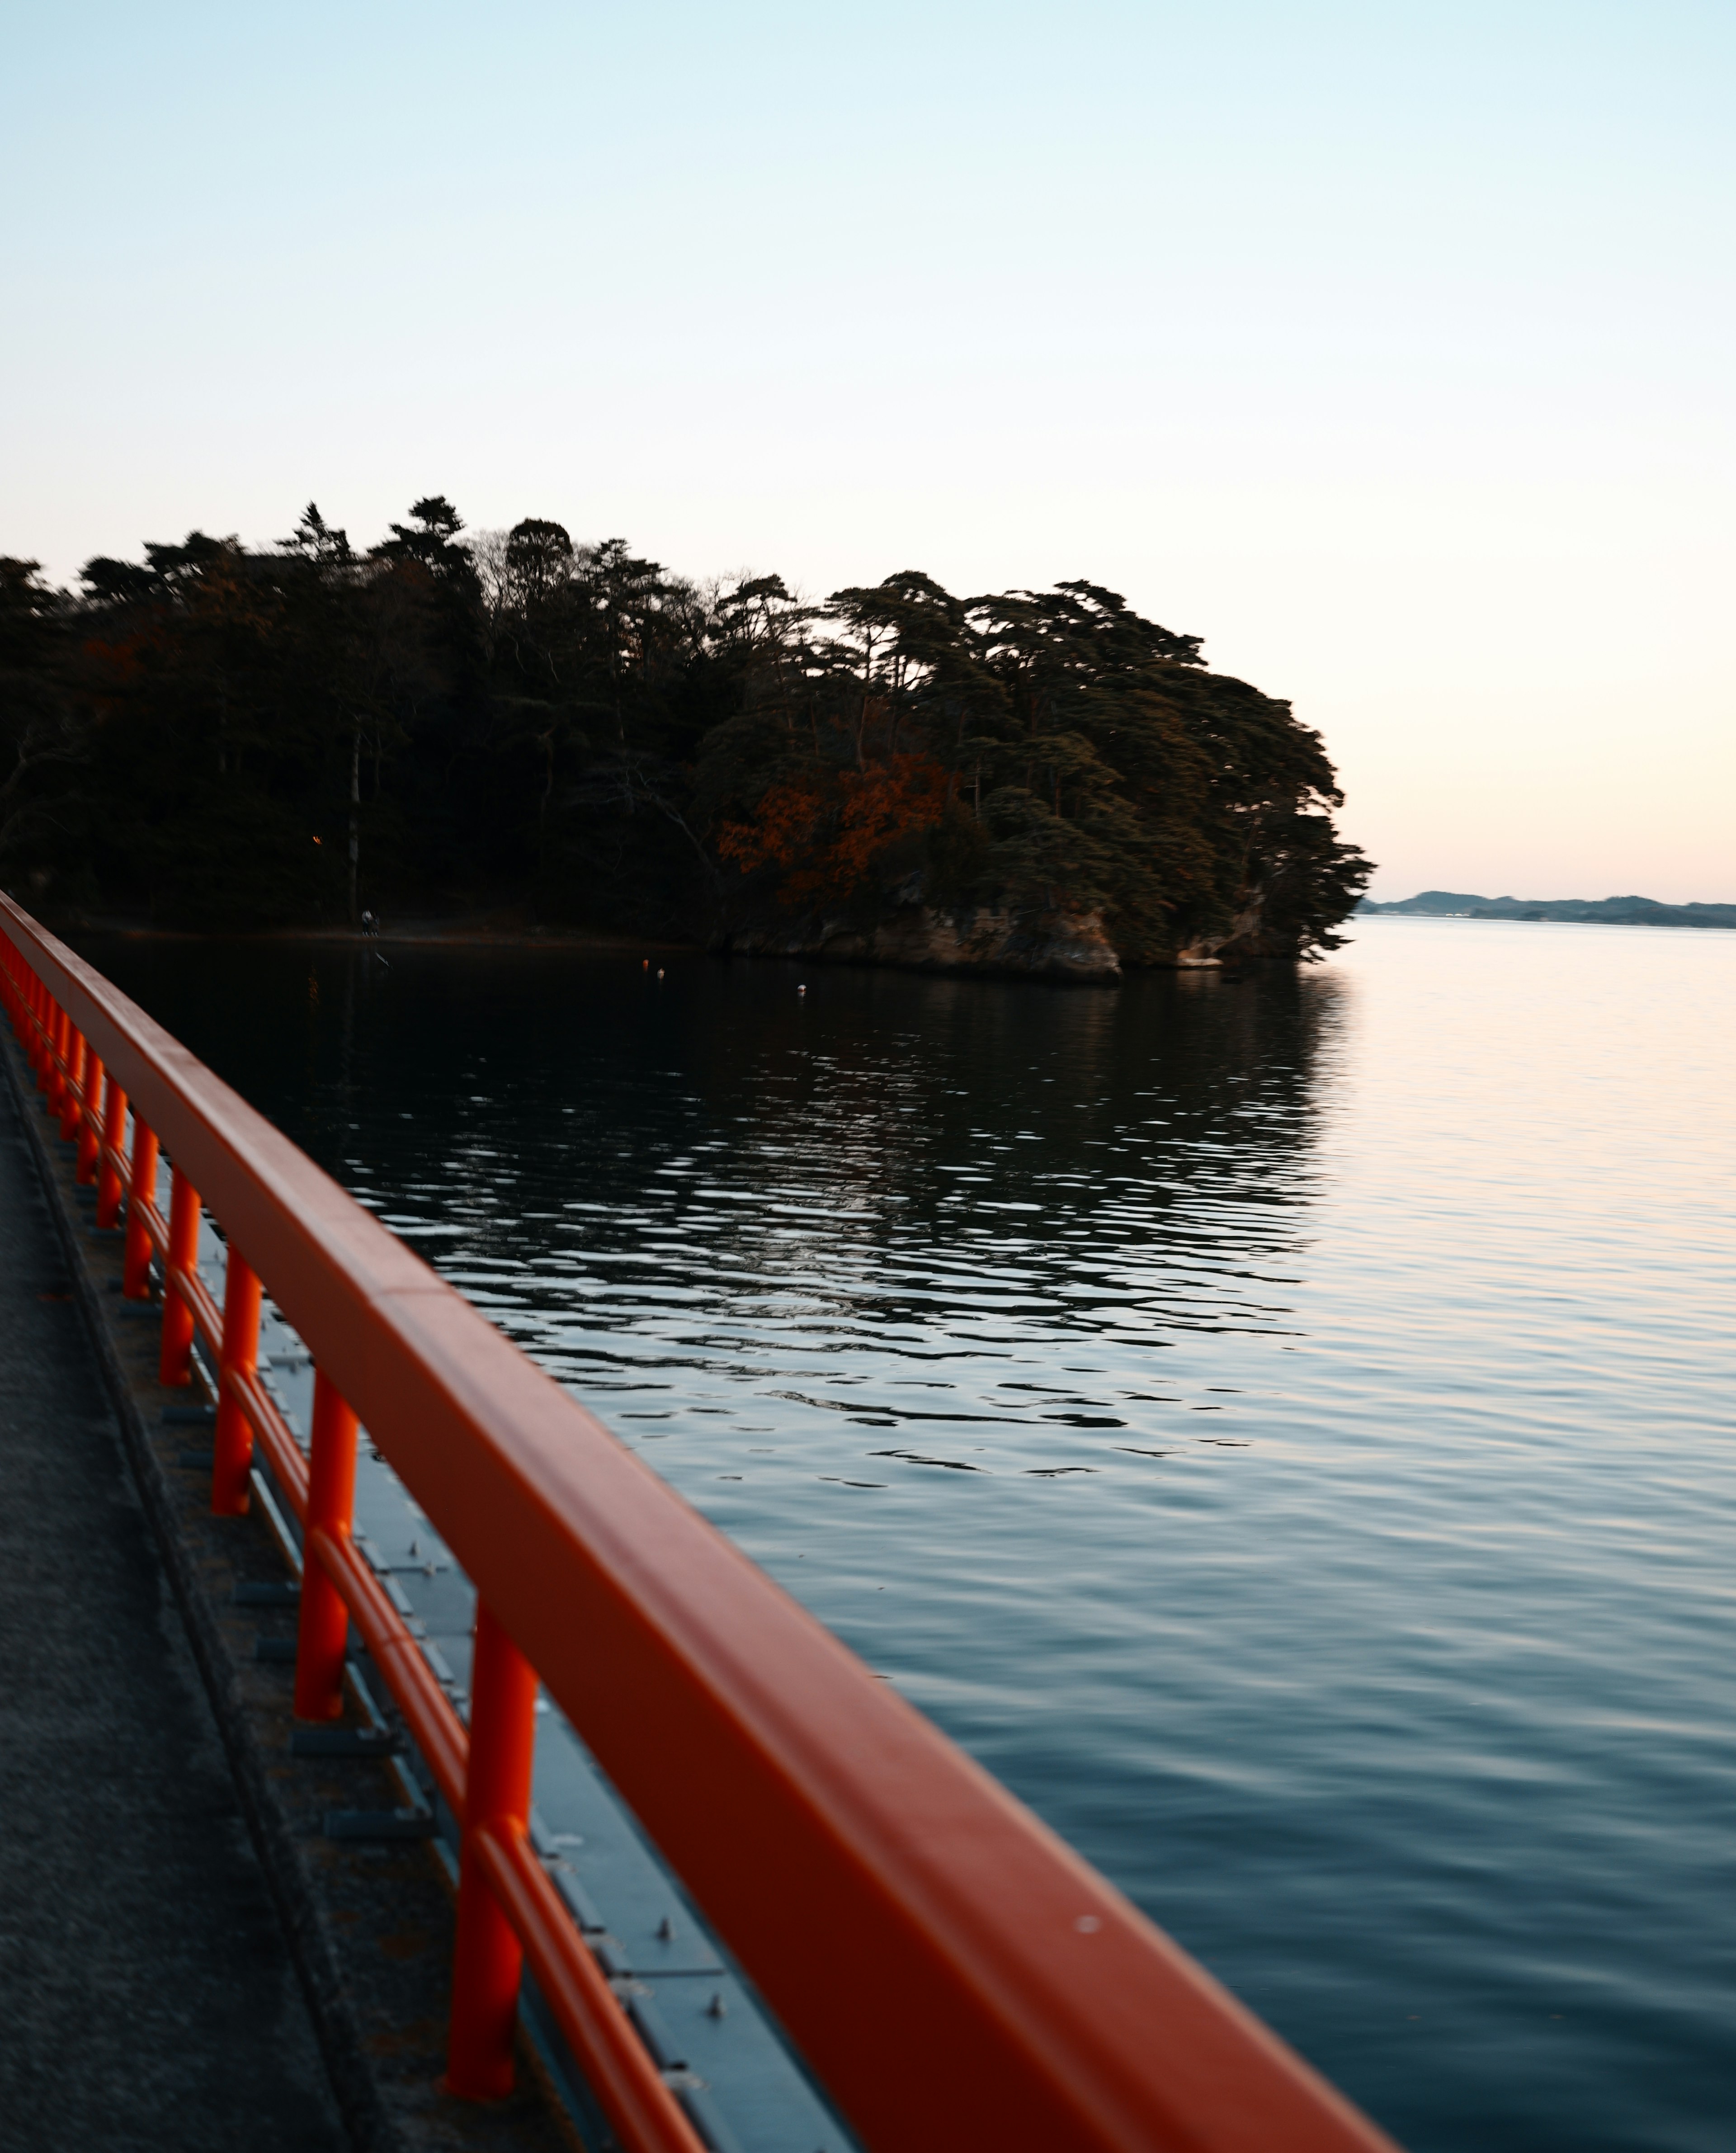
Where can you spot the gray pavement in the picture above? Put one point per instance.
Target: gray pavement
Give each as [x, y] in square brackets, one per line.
[147, 1995]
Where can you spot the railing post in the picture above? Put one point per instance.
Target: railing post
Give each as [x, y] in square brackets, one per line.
[71, 1092]
[90, 1127]
[136, 1275]
[232, 1452]
[108, 1179]
[488, 1957]
[175, 1366]
[49, 1075]
[324, 1630]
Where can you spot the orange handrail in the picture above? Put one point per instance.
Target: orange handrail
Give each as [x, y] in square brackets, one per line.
[953, 1974]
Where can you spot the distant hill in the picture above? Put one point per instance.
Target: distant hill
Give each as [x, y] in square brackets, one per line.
[1608, 911]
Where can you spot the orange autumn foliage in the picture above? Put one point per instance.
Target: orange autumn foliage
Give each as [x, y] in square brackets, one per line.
[829, 828]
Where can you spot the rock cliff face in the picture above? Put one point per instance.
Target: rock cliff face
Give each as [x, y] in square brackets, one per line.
[927, 938]
[1246, 940]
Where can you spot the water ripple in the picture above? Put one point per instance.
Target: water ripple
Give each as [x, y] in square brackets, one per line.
[1309, 1481]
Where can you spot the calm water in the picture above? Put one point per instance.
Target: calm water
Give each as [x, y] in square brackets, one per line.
[1283, 1427]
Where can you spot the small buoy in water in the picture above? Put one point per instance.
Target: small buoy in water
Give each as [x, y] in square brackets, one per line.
[802, 990]
[644, 965]
[660, 970]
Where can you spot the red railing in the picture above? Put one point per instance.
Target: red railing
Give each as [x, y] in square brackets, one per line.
[953, 1974]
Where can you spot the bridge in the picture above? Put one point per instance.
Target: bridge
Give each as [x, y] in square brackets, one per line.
[393, 1759]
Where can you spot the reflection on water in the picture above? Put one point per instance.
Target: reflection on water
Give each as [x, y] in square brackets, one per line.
[1279, 1426]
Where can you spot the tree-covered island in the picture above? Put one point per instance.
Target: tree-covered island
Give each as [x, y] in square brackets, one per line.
[223, 737]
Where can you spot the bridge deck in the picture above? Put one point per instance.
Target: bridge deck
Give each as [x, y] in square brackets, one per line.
[147, 1994]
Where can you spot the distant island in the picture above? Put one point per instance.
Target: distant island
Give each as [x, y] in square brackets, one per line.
[514, 725]
[1604, 911]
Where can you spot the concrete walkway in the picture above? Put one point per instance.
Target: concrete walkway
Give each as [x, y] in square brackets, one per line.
[147, 1996]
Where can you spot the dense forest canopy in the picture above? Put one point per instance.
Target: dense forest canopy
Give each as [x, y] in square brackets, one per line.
[219, 736]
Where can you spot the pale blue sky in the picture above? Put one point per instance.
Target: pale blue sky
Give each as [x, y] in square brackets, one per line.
[1388, 347]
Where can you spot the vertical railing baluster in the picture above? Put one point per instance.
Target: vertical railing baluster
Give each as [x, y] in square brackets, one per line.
[175, 1366]
[90, 1126]
[324, 1628]
[488, 1958]
[232, 1452]
[71, 1088]
[49, 1075]
[108, 1178]
[135, 1275]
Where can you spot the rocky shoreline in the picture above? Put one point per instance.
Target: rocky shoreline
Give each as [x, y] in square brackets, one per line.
[924, 938]
[1072, 947]
[992, 942]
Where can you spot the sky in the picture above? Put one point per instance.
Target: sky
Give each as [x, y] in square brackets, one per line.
[1388, 347]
